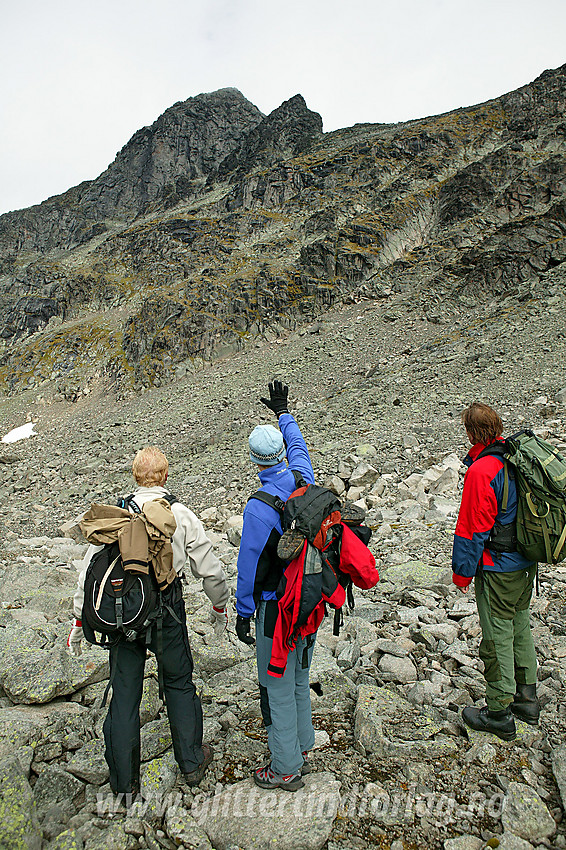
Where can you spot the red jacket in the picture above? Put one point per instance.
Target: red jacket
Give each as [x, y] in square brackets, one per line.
[356, 560]
[481, 506]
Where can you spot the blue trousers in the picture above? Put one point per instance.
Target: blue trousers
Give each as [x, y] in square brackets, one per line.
[291, 731]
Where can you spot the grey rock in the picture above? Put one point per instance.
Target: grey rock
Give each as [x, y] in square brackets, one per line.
[332, 690]
[274, 818]
[56, 787]
[88, 763]
[464, 842]
[69, 839]
[42, 675]
[20, 823]
[242, 747]
[17, 729]
[396, 669]
[151, 704]
[336, 484]
[183, 829]
[386, 724]
[559, 770]
[363, 475]
[525, 814]
[112, 837]
[158, 777]
[508, 841]
[417, 572]
[155, 739]
[216, 656]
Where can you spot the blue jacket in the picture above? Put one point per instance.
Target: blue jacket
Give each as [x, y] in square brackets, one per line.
[480, 509]
[259, 568]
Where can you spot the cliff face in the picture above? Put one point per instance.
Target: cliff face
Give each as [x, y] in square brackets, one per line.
[217, 224]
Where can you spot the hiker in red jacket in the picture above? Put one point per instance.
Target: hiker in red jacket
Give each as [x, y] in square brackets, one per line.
[485, 550]
[285, 701]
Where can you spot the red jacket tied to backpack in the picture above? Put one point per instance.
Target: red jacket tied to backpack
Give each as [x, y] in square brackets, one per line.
[310, 581]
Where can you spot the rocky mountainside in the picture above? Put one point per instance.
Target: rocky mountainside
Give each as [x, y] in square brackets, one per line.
[218, 225]
[454, 291]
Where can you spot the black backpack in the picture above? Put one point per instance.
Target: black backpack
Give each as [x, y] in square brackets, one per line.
[118, 602]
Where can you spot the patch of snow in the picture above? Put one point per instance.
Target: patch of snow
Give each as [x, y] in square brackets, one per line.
[21, 433]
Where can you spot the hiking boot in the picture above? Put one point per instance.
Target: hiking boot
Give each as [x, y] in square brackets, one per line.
[352, 514]
[500, 723]
[264, 777]
[290, 544]
[306, 768]
[525, 704]
[195, 776]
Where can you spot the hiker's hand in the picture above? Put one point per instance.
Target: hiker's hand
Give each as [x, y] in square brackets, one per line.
[243, 630]
[75, 638]
[277, 401]
[465, 589]
[219, 619]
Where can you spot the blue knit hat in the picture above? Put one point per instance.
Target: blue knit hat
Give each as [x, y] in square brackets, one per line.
[266, 445]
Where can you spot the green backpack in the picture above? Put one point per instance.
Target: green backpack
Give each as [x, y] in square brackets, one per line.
[540, 477]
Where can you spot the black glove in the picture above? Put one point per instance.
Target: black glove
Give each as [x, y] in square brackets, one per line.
[243, 630]
[277, 401]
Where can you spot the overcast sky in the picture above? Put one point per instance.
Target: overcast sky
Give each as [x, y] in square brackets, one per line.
[79, 77]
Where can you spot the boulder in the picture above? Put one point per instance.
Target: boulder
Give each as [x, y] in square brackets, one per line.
[274, 818]
[363, 475]
[416, 572]
[20, 823]
[155, 739]
[56, 787]
[559, 770]
[464, 842]
[183, 829]
[41, 675]
[88, 763]
[386, 724]
[525, 814]
[394, 669]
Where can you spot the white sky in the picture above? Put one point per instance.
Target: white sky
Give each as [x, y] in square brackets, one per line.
[79, 77]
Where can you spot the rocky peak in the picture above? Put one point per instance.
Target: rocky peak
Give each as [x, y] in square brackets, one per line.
[162, 163]
[286, 132]
[166, 160]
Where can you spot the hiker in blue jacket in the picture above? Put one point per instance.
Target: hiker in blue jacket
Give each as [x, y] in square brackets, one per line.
[285, 702]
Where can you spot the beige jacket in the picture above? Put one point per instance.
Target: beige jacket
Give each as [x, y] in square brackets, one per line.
[191, 548]
[143, 538]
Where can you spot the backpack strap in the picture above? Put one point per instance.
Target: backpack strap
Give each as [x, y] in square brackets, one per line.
[503, 538]
[499, 449]
[129, 502]
[276, 502]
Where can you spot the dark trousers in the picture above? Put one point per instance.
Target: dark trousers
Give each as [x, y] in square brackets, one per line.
[122, 723]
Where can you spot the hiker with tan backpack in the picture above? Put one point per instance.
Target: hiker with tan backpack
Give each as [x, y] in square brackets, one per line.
[129, 598]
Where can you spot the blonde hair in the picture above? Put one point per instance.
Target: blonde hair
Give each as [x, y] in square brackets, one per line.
[150, 467]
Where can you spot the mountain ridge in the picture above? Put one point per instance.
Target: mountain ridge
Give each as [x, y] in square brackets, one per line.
[269, 223]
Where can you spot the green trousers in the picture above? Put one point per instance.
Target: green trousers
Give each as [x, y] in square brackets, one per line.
[507, 648]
